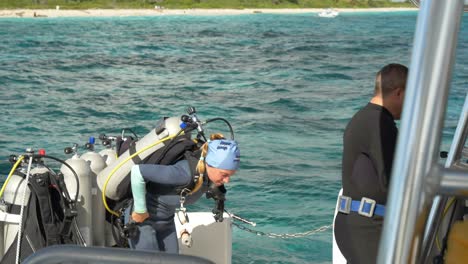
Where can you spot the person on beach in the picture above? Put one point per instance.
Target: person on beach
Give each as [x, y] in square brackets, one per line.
[157, 190]
[369, 144]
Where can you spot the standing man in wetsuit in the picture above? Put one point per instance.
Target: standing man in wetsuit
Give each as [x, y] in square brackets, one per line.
[368, 147]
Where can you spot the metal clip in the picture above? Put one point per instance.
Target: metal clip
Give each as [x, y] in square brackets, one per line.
[182, 201]
[183, 193]
[182, 212]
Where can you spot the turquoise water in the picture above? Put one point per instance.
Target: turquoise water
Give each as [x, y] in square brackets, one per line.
[287, 83]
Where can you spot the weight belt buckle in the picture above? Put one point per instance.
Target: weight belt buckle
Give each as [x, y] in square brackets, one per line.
[344, 204]
[367, 207]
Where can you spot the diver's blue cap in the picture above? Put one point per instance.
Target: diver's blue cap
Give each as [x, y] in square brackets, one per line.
[223, 154]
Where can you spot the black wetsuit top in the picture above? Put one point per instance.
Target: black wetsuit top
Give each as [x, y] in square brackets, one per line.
[368, 148]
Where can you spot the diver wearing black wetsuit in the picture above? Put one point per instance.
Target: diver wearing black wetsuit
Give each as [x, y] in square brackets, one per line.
[369, 143]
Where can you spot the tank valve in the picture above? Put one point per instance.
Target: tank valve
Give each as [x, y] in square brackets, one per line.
[68, 150]
[186, 238]
[13, 159]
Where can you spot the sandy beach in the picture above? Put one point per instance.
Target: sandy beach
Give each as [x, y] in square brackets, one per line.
[161, 11]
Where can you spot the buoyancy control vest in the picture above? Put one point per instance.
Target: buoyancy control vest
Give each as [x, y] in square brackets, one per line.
[114, 179]
[176, 150]
[182, 149]
[48, 217]
[189, 150]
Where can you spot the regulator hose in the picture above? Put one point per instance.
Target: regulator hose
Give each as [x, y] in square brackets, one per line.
[11, 174]
[225, 121]
[72, 170]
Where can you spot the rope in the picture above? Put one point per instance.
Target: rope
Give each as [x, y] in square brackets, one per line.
[18, 244]
[274, 235]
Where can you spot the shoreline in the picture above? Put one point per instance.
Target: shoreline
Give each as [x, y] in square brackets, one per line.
[25, 13]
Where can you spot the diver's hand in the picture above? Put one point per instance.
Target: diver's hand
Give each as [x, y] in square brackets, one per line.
[140, 218]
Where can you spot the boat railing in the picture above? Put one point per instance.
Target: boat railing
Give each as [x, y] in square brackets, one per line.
[452, 181]
[98, 255]
[409, 228]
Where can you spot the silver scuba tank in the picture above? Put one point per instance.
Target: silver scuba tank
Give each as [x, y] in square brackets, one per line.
[15, 189]
[117, 184]
[108, 153]
[97, 164]
[13, 196]
[85, 199]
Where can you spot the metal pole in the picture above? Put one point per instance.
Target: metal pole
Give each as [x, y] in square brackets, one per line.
[438, 206]
[459, 138]
[454, 182]
[421, 126]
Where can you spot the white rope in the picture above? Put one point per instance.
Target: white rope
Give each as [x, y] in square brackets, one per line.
[274, 235]
[20, 225]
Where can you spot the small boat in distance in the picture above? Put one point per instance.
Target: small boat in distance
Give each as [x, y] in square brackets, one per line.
[328, 13]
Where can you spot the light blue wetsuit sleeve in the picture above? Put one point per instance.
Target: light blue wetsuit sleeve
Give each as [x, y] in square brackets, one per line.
[138, 190]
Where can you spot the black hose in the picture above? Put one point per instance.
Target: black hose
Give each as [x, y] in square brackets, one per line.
[71, 169]
[114, 234]
[225, 121]
[131, 130]
[64, 192]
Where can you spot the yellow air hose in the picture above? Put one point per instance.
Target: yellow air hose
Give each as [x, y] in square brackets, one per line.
[121, 164]
[450, 203]
[11, 174]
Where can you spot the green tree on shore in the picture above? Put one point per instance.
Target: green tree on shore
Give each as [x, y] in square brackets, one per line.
[109, 4]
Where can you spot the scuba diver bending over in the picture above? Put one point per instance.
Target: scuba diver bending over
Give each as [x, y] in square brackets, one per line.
[158, 190]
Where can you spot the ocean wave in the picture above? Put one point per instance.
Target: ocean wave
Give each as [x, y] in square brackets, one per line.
[288, 84]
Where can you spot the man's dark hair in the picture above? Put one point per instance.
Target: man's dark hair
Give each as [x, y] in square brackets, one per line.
[389, 78]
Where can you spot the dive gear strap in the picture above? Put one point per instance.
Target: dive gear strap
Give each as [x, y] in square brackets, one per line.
[366, 207]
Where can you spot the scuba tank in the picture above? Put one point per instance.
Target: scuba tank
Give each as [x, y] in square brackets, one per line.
[111, 144]
[12, 200]
[115, 175]
[47, 215]
[97, 164]
[109, 154]
[85, 198]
